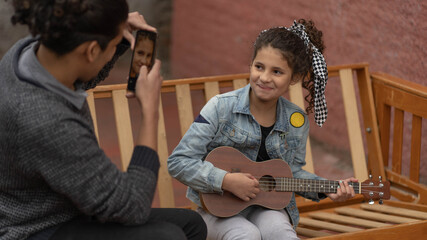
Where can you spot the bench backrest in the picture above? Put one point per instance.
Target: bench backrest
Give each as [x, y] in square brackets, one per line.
[396, 98]
[184, 90]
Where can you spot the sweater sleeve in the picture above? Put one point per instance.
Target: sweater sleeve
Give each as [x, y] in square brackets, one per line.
[59, 146]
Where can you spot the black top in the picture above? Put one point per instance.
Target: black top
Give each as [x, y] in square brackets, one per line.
[262, 153]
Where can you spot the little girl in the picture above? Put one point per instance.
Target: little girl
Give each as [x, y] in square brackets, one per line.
[56, 182]
[263, 125]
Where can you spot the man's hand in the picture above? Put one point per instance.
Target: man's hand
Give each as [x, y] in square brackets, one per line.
[147, 89]
[135, 22]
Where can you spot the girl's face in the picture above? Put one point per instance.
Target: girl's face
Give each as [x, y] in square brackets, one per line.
[143, 54]
[270, 75]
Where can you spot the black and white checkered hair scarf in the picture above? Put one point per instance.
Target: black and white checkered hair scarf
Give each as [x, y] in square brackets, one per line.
[320, 74]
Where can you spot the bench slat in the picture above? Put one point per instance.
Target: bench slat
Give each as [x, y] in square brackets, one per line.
[166, 198]
[211, 90]
[347, 220]
[327, 225]
[307, 232]
[185, 107]
[91, 102]
[397, 140]
[395, 210]
[353, 124]
[373, 216]
[239, 83]
[414, 171]
[124, 129]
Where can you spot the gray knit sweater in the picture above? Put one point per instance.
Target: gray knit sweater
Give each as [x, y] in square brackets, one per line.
[51, 167]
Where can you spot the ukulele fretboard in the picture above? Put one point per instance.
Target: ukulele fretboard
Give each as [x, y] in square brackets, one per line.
[310, 185]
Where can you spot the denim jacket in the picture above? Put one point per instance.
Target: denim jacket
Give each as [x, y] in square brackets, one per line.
[226, 121]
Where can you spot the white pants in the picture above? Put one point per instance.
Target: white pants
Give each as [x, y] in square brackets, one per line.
[253, 223]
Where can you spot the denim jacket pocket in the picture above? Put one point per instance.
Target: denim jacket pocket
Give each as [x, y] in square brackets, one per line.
[230, 135]
[288, 148]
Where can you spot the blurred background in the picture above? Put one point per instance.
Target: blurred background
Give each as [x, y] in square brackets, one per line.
[213, 37]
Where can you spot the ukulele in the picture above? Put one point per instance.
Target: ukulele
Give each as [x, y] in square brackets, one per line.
[276, 184]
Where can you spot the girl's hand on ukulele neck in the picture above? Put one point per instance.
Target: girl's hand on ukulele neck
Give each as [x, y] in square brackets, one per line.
[344, 192]
[243, 185]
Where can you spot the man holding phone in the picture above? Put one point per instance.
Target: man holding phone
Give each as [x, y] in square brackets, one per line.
[56, 182]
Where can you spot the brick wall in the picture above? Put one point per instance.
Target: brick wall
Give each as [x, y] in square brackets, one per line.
[215, 37]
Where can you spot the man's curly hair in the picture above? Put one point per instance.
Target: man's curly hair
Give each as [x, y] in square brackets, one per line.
[62, 25]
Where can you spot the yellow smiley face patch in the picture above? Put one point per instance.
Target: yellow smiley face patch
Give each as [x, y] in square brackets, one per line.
[297, 119]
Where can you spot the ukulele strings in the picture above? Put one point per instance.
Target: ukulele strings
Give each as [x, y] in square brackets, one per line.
[269, 184]
[335, 184]
[315, 183]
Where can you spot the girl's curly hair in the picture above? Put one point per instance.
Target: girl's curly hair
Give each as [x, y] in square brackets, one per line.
[295, 52]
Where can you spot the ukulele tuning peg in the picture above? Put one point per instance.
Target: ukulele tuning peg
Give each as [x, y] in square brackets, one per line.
[381, 202]
[380, 178]
[371, 202]
[370, 176]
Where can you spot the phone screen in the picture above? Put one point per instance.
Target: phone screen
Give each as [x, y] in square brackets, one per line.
[144, 54]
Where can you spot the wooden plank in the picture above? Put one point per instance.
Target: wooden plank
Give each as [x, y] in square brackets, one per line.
[297, 97]
[239, 83]
[414, 171]
[385, 133]
[305, 205]
[406, 205]
[336, 68]
[185, 107]
[414, 230]
[353, 124]
[327, 225]
[395, 210]
[401, 99]
[91, 103]
[406, 190]
[307, 232]
[124, 129]
[397, 141]
[399, 83]
[367, 101]
[164, 184]
[202, 80]
[211, 90]
[373, 216]
[185, 111]
[346, 220]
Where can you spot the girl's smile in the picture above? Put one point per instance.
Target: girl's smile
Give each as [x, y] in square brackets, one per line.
[270, 75]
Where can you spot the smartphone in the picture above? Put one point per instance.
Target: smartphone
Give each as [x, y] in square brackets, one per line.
[144, 53]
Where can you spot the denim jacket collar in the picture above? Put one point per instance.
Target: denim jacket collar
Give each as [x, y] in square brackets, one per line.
[282, 122]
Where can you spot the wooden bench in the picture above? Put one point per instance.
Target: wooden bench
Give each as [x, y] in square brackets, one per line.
[404, 99]
[325, 219]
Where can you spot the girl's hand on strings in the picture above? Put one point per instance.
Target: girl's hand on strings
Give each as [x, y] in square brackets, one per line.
[344, 191]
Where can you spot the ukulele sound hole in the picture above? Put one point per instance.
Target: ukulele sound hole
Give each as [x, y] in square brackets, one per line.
[267, 183]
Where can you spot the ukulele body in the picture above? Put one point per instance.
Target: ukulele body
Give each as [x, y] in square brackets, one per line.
[231, 160]
[276, 184]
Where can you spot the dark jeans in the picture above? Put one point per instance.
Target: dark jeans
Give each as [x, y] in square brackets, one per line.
[163, 223]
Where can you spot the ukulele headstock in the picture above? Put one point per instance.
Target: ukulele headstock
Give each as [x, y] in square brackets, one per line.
[374, 190]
